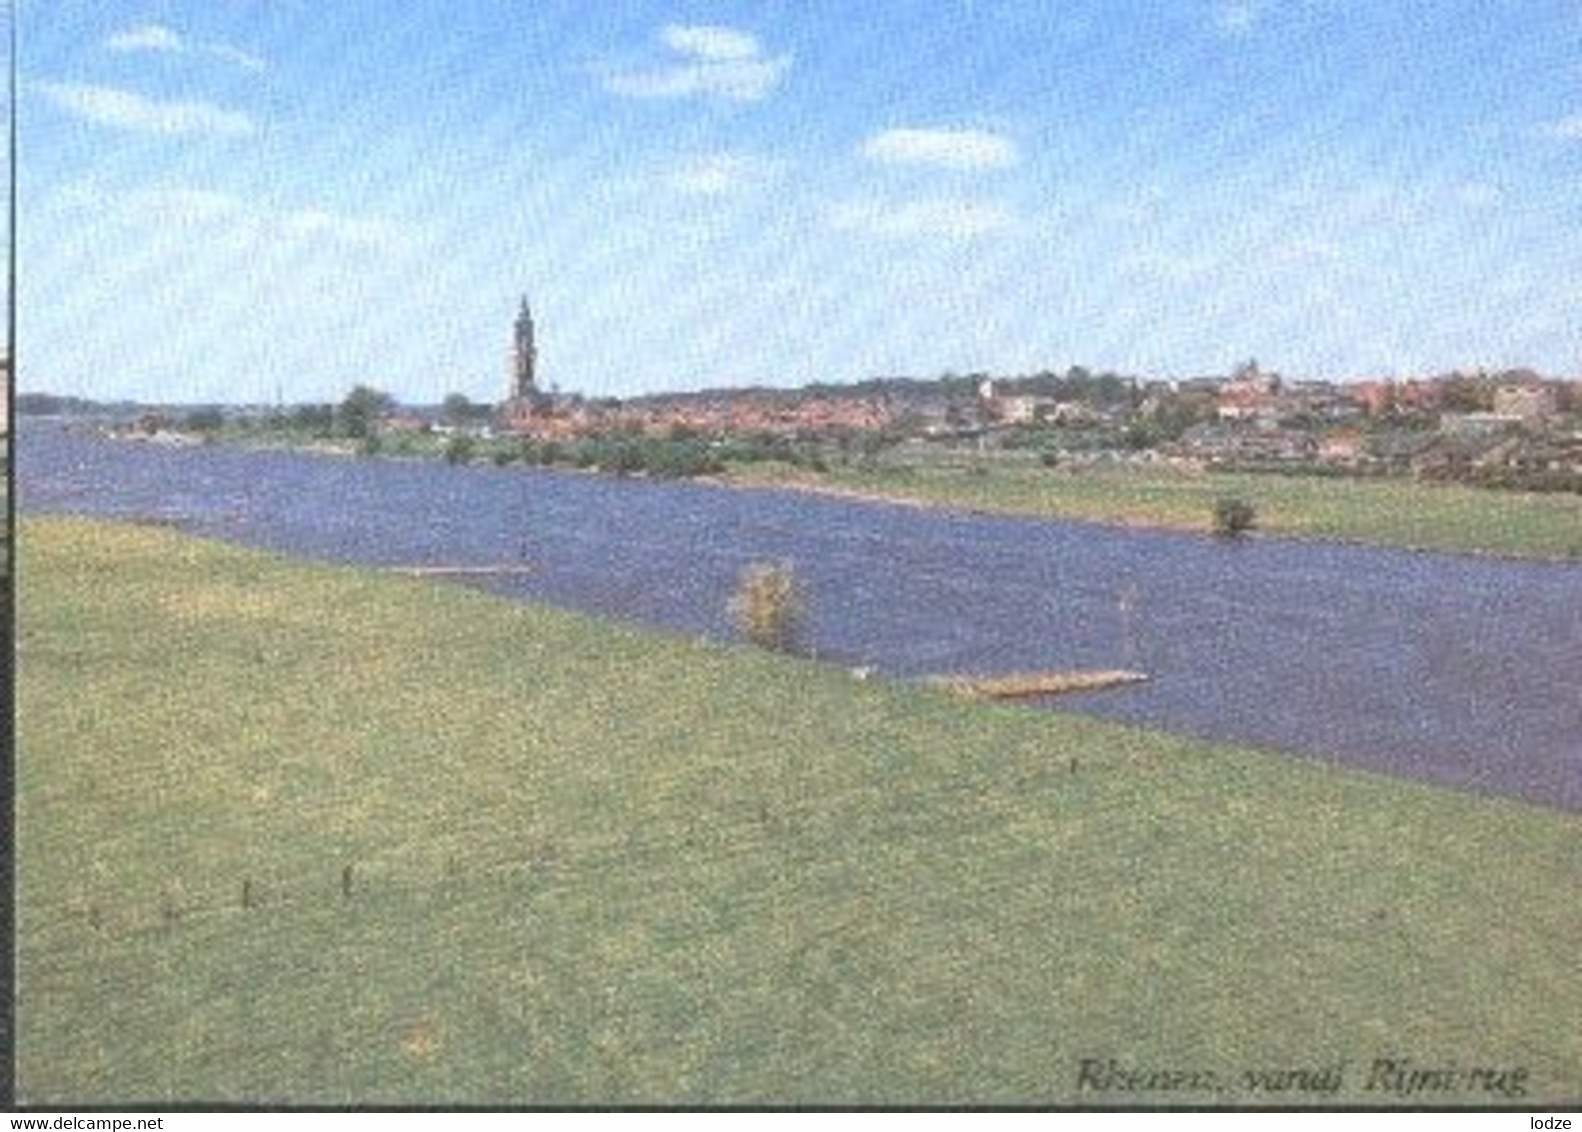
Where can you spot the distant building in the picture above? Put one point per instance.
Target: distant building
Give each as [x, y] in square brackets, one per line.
[1016, 410]
[1478, 424]
[1342, 446]
[1529, 402]
[1251, 395]
[408, 423]
[1253, 400]
[523, 403]
[524, 355]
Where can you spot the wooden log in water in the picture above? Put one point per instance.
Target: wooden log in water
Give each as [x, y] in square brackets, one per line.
[1019, 685]
[460, 571]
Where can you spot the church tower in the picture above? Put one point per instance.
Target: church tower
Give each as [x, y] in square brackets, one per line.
[524, 356]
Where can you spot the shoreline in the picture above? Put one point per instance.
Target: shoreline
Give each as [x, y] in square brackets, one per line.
[859, 495]
[1126, 522]
[811, 486]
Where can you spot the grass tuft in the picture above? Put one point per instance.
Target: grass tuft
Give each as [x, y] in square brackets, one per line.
[768, 607]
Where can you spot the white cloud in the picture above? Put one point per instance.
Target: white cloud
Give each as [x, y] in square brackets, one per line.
[1477, 194]
[317, 224]
[157, 37]
[109, 106]
[1238, 16]
[1569, 129]
[719, 174]
[717, 61]
[950, 219]
[712, 42]
[955, 149]
[743, 81]
[146, 37]
[167, 206]
[154, 207]
[234, 55]
[185, 206]
[1306, 252]
[1170, 267]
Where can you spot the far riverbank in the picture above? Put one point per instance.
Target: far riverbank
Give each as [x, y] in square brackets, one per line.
[1391, 513]
[1376, 511]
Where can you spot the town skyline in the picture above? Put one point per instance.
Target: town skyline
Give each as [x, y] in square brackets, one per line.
[742, 194]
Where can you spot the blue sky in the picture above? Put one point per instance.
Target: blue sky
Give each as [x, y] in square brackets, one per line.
[245, 199]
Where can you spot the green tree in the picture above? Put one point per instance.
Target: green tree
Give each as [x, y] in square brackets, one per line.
[458, 409]
[317, 419]
[460, 449]
[359, 413]
[1467, 393]
[1233, 517]
[208, 418]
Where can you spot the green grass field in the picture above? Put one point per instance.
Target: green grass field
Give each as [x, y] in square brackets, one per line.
[1388, 512]
[592, 864]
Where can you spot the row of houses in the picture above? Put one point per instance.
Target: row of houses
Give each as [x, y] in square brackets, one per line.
[1252, 415]
[560, 419]
[1442, 453]
[1524, 399]
[1256, 398]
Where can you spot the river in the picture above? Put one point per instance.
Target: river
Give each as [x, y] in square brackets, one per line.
[1455, 669]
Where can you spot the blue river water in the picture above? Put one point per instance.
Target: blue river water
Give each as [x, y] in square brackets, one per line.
[1460, 670]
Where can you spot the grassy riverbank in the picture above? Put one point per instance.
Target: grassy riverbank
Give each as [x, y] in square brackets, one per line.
[290, 832]
[1385, 512]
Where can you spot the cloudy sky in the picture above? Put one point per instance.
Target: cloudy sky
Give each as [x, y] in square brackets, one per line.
[245, 199]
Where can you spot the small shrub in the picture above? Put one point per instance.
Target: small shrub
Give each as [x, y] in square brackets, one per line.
[767, 607]
[679, 459]
[1233, 517]
[206, 420]
[460, 449]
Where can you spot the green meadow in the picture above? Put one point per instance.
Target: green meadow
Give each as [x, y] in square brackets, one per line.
[290, 832]
[1387, 512]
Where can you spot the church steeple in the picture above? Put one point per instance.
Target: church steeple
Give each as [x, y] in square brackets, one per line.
[524, 355]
